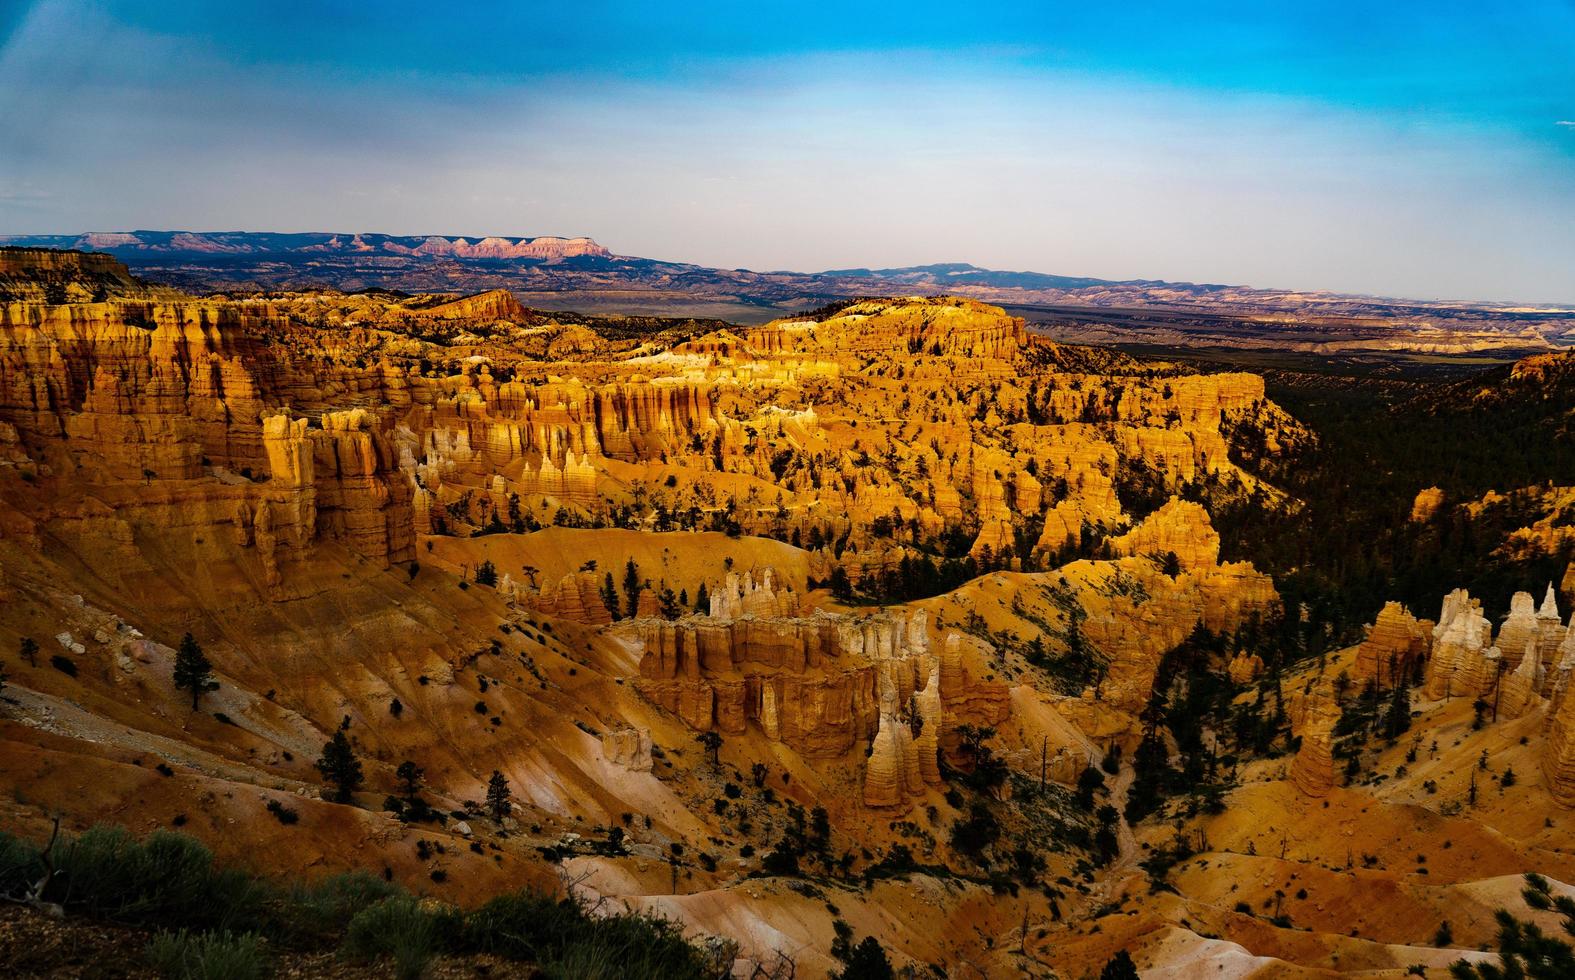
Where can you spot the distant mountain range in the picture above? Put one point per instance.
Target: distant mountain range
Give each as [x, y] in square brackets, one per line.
[578, 273]
[130, 244]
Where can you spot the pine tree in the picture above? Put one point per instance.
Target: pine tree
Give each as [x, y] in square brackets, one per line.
[712, 743]
[498, 796]
[669, 604]
[193, 671]
[410, 774]
[1120, 967]
[29, 651]
[841, 588]
[486, 574]
[631, 589]
[703, 600]
[610, 597]
[1398, 717]
[340, 766]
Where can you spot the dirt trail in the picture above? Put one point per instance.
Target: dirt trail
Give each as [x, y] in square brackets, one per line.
[1125, 840]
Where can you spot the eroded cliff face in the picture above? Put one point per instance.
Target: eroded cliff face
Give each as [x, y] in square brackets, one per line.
[820, 684]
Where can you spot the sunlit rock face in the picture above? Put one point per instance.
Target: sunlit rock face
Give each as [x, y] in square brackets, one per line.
[1394, 646]
[1312, 771]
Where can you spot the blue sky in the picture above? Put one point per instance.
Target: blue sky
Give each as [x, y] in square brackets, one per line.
[1397, 148]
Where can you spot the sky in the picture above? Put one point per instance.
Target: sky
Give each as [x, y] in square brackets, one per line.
[1395, 148]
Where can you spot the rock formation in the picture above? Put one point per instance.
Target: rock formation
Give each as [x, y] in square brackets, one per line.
[628, 748]
[1312, 771]
[1394, 645]
[1460, 665]
[1520, 628]
[1558, 753]
[1426, 504]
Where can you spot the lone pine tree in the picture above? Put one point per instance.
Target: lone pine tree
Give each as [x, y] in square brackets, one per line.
[498, 796]
[193, 670]
[410, 774]
[340, 766]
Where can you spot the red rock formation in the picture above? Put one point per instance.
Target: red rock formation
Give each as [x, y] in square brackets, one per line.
[1395, 643]
[1312, 771]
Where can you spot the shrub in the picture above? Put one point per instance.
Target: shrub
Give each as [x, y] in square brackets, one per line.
[167, 877]
[64, 664]
[207, 956]
[19, 865]
[565, 942]
[399, 928]
[282, 813]
[324, 909]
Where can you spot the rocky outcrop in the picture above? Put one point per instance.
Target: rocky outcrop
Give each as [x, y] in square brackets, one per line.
[1518, 689]
[742, 595]
[1426, 504]
[1180, 528]
[1519, 629]
[821, 685]
[892, 773]
[1135, 613]
[1558, 753]
[1244, 668]
[1460, 665]
[361, 497]
[628, 748]
[48, 275]
[1395, 644]
[1312, 771]
[576, 596]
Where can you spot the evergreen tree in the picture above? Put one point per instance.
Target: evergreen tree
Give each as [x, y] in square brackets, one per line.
[610, 597]
[1398, 718]
[193, 671]
[820, 830]
[1089, 782]
[1120, 967]
[712, 743]
[703, 600]
[29, 651]
[410, 774]
[631, 589]
[340, 766]
[498, 796]
[670, 604]
[1524, 950]
[841, 587]
[486, 574]
[864, 960]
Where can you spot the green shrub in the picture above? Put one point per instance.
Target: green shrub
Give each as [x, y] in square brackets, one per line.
[167, 877]
[19, 865]
[400, 928]
[207, 956]
[323, 910]
[565, 941]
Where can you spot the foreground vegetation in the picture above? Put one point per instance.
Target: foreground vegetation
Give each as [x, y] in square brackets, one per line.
[212, 922]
